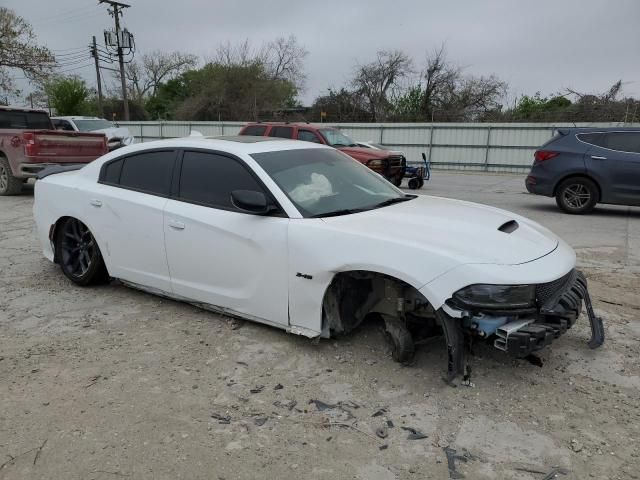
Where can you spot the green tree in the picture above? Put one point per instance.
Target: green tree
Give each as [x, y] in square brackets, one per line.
[68, 95]
[539, 108]
[222, 92]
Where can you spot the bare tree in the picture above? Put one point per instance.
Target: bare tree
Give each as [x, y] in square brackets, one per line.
[375, 80]
[240, 54]
[18, 50]
[440, 78]
[145, 76]
[284, 59]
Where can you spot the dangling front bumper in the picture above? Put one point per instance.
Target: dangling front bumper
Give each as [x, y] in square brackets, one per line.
[558, 305]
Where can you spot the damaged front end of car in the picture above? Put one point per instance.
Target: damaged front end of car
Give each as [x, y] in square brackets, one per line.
[516, 319]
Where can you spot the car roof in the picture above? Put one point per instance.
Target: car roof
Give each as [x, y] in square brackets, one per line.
[234, 144]
[77, 117]
[22, 109]
[291, 124]
[567, 130]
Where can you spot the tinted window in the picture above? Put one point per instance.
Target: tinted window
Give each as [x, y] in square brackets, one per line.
[149, 172]
[209, 179]
[255, 130]
[112, 172]
[624, 141]
[307, 136]
[598, 139]
[24, 120]
[282, 132]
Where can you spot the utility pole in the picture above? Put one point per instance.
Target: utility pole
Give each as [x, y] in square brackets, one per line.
[116, 12]
[94, 54]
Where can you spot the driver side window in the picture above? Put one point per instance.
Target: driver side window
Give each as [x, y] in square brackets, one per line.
[208, 179]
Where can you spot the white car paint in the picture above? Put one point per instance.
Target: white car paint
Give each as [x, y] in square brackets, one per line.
[248, 265]
[113, 132]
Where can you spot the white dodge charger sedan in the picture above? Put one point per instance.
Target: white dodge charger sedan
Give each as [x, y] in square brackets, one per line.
[304, 238]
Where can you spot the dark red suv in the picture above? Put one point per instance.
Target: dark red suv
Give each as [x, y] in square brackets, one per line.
[391, 165]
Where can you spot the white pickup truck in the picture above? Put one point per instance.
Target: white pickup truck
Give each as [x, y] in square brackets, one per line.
[116, 136]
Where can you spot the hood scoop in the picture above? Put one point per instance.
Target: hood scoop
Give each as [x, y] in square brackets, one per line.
[509, 227]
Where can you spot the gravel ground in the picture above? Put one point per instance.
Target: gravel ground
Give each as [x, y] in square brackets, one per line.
[109, 382]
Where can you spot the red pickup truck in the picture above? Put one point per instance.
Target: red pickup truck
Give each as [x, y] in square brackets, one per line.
[29, 143]
[390, 165]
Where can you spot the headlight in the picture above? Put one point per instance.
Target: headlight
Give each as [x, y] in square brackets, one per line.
[496, 296]
[375, 163]
[127, 141]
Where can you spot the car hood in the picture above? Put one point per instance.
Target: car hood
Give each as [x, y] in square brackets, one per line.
[365, 152]
[114, 132]
[467, 232]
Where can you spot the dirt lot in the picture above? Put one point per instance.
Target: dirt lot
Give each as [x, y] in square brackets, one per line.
[108, 382]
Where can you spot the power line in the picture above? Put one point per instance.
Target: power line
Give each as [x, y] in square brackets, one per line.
[62, 15]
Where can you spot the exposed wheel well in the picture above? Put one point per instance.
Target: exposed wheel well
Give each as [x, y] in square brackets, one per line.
[578, 175]
[53, 236]
[353, 295]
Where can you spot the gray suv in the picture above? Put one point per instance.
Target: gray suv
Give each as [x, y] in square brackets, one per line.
[585, 166]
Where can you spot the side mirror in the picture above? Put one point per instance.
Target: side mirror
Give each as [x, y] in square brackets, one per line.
[251, 201]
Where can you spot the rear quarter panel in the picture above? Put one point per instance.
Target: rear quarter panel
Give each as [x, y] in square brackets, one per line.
[569, 162]
[62, 195]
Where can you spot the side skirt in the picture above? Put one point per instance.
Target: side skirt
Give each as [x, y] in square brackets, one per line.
[220, 310]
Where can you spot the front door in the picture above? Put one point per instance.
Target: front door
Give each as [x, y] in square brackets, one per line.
[218, 254]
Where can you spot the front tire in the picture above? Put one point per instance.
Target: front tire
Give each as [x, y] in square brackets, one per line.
[78, 253]
[399, 339]
[577, 195]
[9, 185]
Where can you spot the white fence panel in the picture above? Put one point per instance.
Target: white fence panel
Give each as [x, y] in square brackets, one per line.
[494, 147]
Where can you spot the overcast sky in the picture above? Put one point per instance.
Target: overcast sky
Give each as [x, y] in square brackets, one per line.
[542, 45]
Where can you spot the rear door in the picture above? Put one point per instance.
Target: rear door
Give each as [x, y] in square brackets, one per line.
[127, 209]
[614, 160]
[219, 254]
[281, 131]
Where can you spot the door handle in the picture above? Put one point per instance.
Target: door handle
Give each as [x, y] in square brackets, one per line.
[598, 157]
[176, 225]
[95, 202]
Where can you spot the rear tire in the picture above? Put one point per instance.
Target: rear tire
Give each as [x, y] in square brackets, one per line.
[78, 254]
[9, 185]
[577, 195]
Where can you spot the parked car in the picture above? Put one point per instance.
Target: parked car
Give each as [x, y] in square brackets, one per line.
[29, 143]
[416, 174]
[302, 237]
[390, 165]
[116, 136]
[582, 167]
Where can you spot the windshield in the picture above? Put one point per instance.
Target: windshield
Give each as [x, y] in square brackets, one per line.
[336, 138]
[91, 125]
[323, 182]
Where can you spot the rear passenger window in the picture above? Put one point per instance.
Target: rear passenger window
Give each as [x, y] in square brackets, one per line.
[255, 130]
[112, 172]
[597, 139]
[624, 141]
[307, 136]
[149, 172]
[281, 132]
[209, 179]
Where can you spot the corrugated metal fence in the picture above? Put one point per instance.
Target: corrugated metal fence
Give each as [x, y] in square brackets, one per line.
[493, 147]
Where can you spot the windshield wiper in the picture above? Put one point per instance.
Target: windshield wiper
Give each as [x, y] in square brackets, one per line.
[337, 213]
[391, 201]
